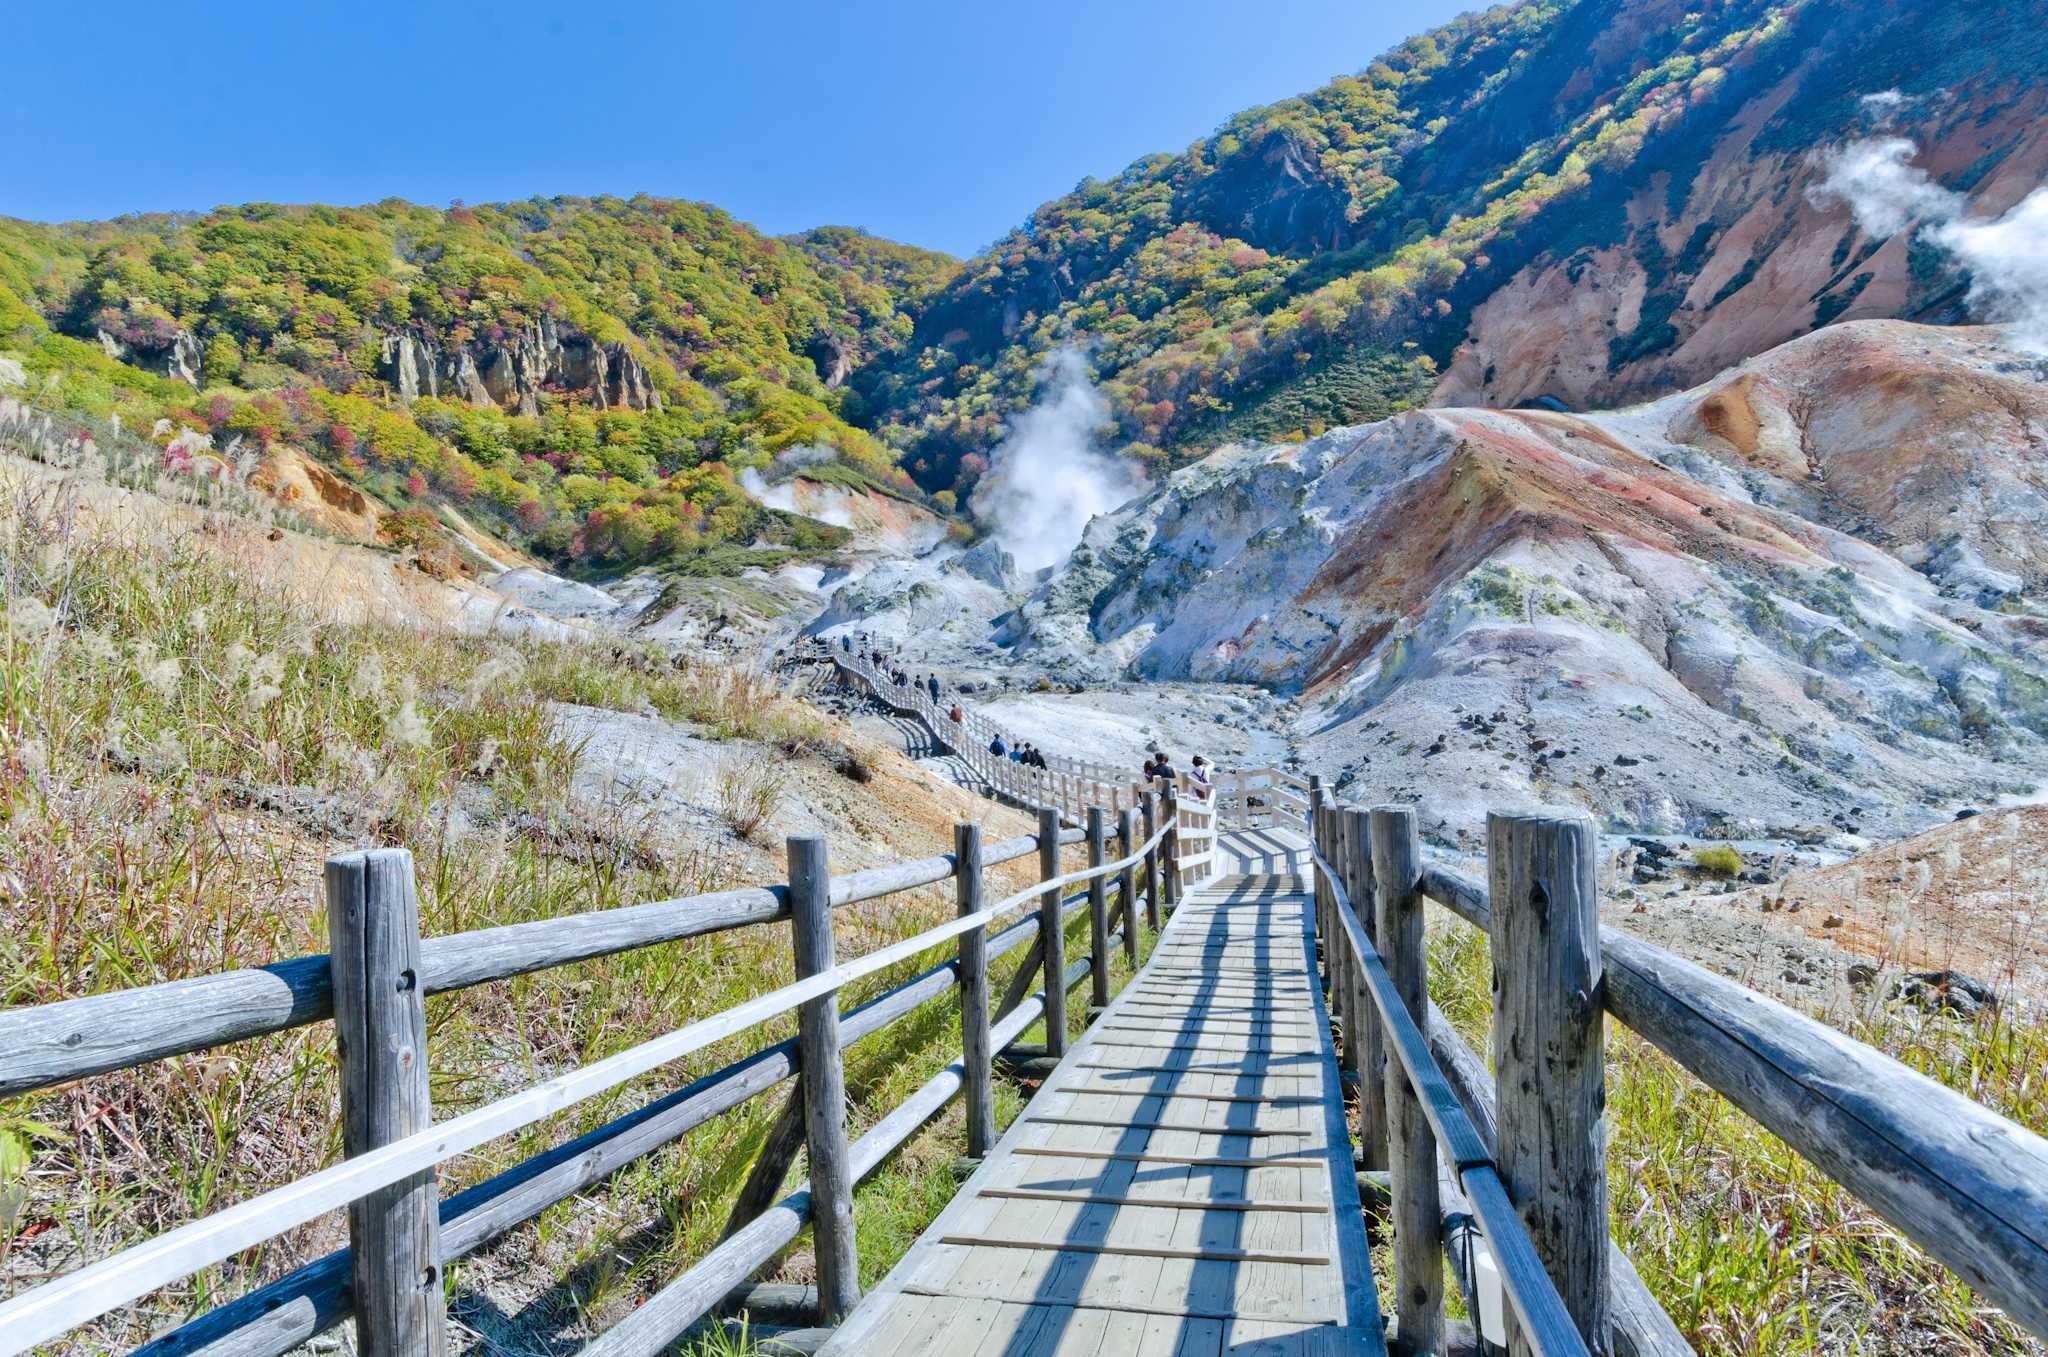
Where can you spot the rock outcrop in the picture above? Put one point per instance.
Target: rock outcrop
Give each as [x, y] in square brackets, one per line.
[180, 354]
[512, 371]
[1743, 610]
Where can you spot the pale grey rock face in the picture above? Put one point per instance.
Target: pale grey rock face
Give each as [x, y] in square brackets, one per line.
[187, 358]
[511, 373]
[1479, 609]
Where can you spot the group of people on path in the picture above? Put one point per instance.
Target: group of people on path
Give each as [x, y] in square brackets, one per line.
[1157, 763]
[1024, 752]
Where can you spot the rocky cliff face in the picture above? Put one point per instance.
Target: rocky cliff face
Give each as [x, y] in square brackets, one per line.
[1740, 255]
[512, 372]
[179, 354]
[1744, 609]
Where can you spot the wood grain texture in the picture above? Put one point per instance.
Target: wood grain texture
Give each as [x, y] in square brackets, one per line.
[1549, 1057]
[1098, 911]
[1414, 1206]
[1051, 936]
[1127, 884]
[1953, 1176]
[824, 1083]
[977, 1054]
[1641, 1327]
[380, 1028]
[1156, 1182]
[1362, 1023]
[1152, 860]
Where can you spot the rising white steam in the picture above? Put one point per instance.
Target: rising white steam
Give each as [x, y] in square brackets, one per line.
[1050, 475]
[832, 508]
[2007, 256]
[1885, 105]
[1882, 188]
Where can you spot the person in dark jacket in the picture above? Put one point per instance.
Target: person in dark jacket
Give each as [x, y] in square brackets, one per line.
[998, 748]
[931, 684]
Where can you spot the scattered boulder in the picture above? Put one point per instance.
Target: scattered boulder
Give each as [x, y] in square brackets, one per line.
[1945, 992]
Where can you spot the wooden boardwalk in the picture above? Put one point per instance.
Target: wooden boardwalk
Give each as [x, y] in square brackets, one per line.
[1182, 1183]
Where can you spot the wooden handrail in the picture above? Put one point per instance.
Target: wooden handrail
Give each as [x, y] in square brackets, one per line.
[81, 1296]
[1527, 1284]
[1965, 1184]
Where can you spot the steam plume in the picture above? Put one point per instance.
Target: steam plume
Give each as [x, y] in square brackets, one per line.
[1049, 475]
[783, 497]
[2007, 256]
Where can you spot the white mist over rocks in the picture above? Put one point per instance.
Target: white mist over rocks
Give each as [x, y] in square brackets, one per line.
[1050, 474]
[2007, 256]
[783, 496]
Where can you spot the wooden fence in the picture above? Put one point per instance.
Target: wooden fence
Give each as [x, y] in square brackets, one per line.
[1526, 1144]
[1512, 1163]
[373, 986]
[1245, 799]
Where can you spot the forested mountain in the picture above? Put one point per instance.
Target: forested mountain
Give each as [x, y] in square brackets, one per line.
[1571, 202]
[583, 374]
[1589, 201]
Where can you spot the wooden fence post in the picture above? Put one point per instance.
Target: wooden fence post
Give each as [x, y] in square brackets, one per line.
[1053, 934]
[1098, 914]
[1152, 857]
[977, 1056]
[1127, 881]
[1172, 846]
[1549, 1061]
[1340, 956]
[380, 1029]
[1411, 1144]
[1362, 1019]
[824, 1083]
[1314, 825]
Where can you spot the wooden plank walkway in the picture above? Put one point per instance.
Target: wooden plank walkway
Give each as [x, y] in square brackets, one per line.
[1182, 1184]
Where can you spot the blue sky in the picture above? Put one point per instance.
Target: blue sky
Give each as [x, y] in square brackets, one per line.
[941, 124]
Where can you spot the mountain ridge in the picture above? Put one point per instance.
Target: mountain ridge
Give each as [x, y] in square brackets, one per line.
[1571, 202]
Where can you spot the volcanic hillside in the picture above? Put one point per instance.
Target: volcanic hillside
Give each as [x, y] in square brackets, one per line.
[1745, 609]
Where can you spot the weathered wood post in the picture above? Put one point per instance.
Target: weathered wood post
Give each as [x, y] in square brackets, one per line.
[977, 1055]
[1362, 1019]
[1098, 913]
[380, 1030]
[1152, 857]
[1411, 1144]
[1127, 881]
[824, 1083]
[1340, 954]
[1172, 845]
[1054, 936]
[1549, 1058]
[1315, 838]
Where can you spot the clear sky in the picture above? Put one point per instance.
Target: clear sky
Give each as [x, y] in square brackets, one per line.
[937, 123]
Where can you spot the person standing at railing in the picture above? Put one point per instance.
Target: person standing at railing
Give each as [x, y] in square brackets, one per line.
[932, 684]
[1198, 773]
[955, 715]
[998, 749]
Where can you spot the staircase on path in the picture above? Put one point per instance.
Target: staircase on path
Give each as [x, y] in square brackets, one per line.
[1182, 1183]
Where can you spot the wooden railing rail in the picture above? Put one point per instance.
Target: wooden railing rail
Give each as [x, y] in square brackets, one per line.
[312, 1299]
[1527, 1285]
[72, 1039]
[1965, 1184]
[396, 1154]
